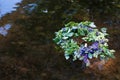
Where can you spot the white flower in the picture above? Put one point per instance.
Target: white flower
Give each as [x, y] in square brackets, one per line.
[85, 44]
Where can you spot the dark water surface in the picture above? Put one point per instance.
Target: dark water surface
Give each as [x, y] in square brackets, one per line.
[27, 51]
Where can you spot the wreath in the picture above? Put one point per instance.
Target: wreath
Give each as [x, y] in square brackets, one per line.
[83, 41]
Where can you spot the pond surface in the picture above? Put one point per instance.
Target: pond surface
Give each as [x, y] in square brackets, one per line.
[27, 51]
[7, 6]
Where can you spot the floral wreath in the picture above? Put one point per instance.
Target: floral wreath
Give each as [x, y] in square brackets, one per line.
[83, 42]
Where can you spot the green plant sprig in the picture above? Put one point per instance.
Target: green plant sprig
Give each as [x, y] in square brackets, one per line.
[94, 43]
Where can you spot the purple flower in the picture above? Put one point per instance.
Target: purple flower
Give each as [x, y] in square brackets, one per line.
[83, 50]
[97, 34]
[95, 46]
[90, 29]
[64, 29]
[91, 51]
[102, 41]
[85, 58]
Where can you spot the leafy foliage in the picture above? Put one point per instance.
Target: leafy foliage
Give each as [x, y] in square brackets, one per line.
[93, 45]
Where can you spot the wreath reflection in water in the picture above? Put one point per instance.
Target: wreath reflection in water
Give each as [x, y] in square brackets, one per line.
[83, 42]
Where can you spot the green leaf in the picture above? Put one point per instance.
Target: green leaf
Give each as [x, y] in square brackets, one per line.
[102, 57]
[70, 34]
[112, 55]
[86, 23]
[56, 40]
[92, 25]
[65, 38]
[81, 57]
[90, 55]
[104, 30]
[95, 55]
[81, 32]
[74, 58]
[112, 51]
[85, 38]
[67, 56]
[76, 34]
[70, 24]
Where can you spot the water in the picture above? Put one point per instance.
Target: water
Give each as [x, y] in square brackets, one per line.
[27, 51]
[7, 6]
[4, 29]
[30, 7]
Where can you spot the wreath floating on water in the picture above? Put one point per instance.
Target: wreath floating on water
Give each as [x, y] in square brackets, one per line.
[83, 42]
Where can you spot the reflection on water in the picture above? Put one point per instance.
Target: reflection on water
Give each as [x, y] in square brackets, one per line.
[28, 52]
[7, 6]
[30, 7]
[4, 29]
